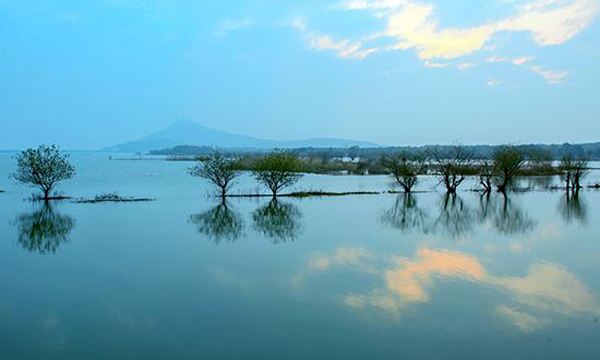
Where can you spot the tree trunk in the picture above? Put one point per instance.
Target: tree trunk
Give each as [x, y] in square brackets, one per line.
[502, 188]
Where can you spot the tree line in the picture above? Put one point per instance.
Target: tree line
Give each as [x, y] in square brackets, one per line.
[46, 166]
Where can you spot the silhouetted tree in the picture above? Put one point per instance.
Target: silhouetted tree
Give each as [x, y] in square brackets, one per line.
[580, 169]
[217, 169]
[43, 167]
[453, 166]
[485, 173]
[219, 223]
[406, 168]
[278, 221]
[277, 170]
[508, 160]
[573, 171]
[43, 230]
[566, 167]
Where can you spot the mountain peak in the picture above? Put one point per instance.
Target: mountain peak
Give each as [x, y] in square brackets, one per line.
[188, 132]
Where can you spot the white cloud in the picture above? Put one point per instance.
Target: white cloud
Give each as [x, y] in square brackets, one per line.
[232, 25]
[343, 48]
[434, 65]
[464, 66]
[412, 25]
[551, 76]
[522, 320]
[492, 82]
[522, 60]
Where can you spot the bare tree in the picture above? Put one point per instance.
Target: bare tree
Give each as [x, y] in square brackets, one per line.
[566, 167]
[485, 172]
[580, 169]
[277, 170]
[217, 169]
[405, 168]
[573, 171]
[508, 160]
[453, 166]
[43, 167]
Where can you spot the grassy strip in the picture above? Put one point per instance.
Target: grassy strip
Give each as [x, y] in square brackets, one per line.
[305, 194]
[110, 198]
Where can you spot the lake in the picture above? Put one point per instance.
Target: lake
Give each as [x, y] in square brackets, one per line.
[356, 277]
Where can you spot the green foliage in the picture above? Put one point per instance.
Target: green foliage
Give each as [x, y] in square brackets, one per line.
[43, 167]
[277, 170]
[218, 169]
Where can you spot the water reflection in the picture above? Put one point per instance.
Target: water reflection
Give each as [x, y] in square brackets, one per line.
[456, 218]
[219, 223]
[43, 230]
[405, 215]
[506, 216]
[512, 219]
[279, 221]
[545, 293]
[573, 208]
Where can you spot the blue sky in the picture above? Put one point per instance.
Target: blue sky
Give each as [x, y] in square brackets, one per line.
[87, 74]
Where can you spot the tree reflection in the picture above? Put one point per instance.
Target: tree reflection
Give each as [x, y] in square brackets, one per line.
[405, 215]
[219, 223]
[486, 207]
[511, 219]
[455, 218]
[572, 208]
[43, 230]
[279, 221]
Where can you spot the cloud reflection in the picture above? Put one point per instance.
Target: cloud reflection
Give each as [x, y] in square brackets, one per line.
[547, 291]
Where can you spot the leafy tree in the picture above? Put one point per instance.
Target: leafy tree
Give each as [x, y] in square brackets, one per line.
[508, 160]
[405, 168]
[43, 167]
[218, 170]
[453, 167]
[277, 170]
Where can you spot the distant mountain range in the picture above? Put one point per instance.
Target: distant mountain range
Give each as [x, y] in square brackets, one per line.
[185, 132]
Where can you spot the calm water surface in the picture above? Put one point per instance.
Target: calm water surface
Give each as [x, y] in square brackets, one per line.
[357, 277]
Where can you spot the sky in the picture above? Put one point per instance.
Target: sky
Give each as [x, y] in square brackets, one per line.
[92, 73]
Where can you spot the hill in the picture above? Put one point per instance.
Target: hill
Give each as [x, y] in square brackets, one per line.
[185, 132]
